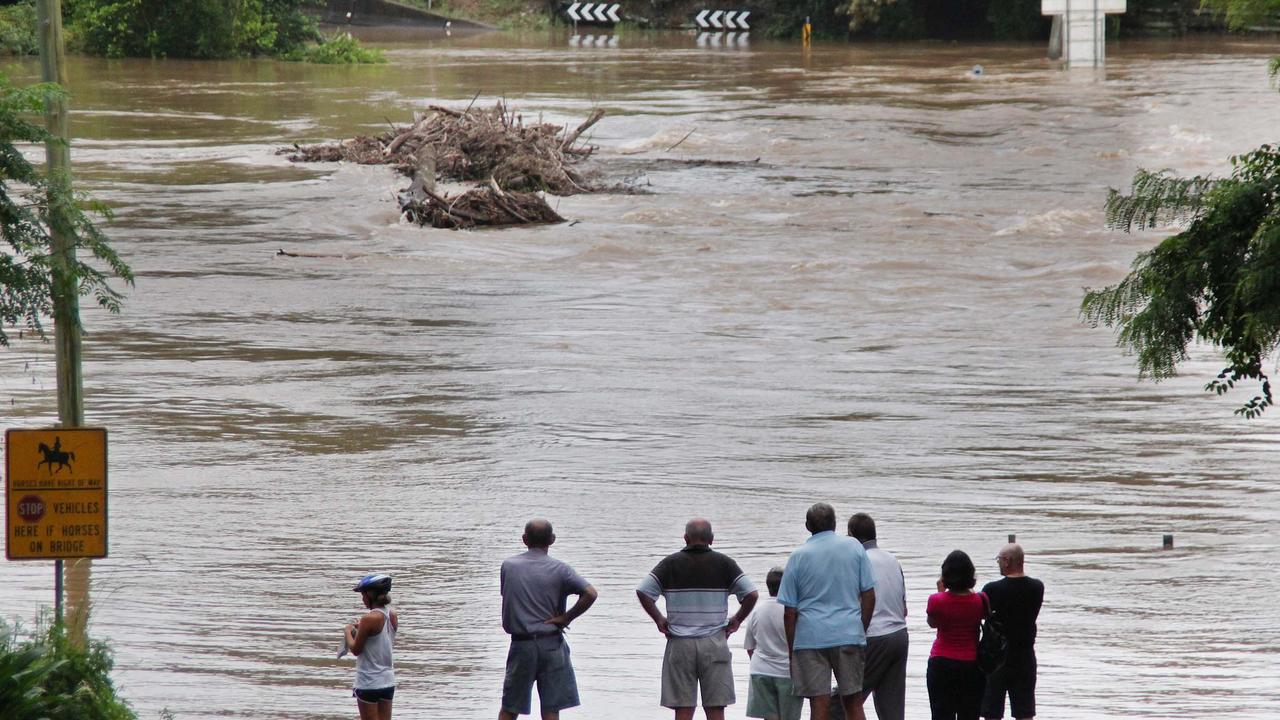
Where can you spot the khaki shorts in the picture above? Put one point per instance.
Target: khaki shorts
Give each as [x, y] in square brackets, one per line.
[690, 663]
[811, 670]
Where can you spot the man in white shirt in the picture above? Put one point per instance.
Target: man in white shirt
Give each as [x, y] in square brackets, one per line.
[769, 695]
[885, 675]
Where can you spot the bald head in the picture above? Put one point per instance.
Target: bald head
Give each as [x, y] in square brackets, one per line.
[538, 534]
[1011, 560]
[698, 532]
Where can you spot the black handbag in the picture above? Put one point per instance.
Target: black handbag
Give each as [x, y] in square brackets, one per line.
[993, 646]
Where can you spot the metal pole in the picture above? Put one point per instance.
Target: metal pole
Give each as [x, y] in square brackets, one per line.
[66, 291]
[57, 592]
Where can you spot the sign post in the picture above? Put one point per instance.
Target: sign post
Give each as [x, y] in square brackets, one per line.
[56, 496]
[66, 286]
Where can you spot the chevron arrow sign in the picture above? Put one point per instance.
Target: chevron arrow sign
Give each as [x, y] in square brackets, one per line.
[593, 13]
[722, 20]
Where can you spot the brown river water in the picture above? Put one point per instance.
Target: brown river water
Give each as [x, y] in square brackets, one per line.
[870, 299]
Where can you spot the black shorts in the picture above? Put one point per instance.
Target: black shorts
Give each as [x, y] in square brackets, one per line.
[1019, 681]
[374, 695]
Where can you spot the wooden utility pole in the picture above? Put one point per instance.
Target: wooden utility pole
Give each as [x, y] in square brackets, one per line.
[65, 285]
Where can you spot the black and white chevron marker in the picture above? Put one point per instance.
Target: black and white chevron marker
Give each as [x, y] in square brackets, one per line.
[593, 13]
[722, 20]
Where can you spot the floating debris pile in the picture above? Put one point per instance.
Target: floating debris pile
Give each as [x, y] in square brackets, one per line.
[482, 205]
[493, 146]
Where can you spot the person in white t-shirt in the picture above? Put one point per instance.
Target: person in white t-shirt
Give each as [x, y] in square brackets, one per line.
[769, 695]
[884, 677]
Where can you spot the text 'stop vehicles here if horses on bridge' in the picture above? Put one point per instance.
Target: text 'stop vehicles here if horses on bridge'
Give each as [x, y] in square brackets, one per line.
[56, 494]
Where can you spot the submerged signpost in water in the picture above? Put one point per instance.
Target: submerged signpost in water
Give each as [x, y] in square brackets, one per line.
[1084, 28]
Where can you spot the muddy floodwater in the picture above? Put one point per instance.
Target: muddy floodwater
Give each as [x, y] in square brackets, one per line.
[869, 297]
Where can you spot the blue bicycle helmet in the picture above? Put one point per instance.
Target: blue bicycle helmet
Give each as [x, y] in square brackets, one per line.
[375, 582]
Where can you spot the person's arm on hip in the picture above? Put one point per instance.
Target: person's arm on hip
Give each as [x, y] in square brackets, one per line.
[651, 607]
[585, 600]
[744, 609]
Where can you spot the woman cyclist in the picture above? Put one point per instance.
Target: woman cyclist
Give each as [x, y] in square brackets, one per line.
[370, 640]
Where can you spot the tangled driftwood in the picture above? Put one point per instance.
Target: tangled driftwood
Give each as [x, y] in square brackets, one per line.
[483, 205]
[473, 145]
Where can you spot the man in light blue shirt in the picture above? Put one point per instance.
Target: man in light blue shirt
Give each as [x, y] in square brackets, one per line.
[828, 590]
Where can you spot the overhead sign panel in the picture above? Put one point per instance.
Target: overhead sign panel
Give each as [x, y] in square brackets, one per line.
[56, 494]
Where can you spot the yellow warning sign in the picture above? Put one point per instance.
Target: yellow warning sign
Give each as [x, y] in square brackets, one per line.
[55, 494]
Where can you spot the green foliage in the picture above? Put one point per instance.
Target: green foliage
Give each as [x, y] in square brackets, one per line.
[784, 19]
[18, 29]
[869, 15]
[1244, 14]
[26, 263]
[1155, 199]
[337, 49]
[44, 677]
[1217, 281]
[190, 28]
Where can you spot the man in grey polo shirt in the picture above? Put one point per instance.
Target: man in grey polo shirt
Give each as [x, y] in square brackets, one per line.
[696, 583]
[884, 675]
[534, 587]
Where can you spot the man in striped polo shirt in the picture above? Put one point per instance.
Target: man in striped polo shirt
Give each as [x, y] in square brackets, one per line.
[696, 583]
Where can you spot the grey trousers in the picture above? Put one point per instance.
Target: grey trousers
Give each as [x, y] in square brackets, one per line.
[885, 676]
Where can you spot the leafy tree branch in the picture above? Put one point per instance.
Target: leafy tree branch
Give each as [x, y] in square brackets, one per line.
[27, 202]
[1217, 281]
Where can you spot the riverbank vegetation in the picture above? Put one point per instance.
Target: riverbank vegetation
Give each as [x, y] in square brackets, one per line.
[188, 28]
[1247, 14]
[18, 29]
[337, 49]
[43, 676]
[201, 29]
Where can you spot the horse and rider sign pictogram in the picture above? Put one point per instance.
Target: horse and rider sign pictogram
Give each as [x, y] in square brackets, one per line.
[55, 494]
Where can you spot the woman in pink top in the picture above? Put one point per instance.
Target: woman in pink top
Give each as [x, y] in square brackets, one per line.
[954, 679]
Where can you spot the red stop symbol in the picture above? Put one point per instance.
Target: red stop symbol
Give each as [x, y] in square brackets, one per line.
[31, 508]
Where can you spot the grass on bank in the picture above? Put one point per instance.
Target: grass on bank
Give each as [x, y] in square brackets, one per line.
[44, 677]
